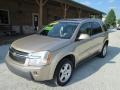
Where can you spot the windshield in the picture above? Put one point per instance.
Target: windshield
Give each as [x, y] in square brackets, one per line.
[63, 30]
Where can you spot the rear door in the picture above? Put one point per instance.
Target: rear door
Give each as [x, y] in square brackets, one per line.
[97, 37]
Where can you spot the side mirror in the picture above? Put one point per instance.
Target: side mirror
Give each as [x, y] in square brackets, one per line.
[84, 37]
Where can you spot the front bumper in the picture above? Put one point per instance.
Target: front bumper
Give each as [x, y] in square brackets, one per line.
[30, 73]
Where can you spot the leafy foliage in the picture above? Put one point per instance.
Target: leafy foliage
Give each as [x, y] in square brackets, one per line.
[119, 21]
[111, 18]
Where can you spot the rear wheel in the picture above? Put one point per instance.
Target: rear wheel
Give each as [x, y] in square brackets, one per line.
[63, 72]
[104, 51]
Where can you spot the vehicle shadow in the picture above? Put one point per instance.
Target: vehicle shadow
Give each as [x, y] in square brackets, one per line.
[3, 51]
[91, 66]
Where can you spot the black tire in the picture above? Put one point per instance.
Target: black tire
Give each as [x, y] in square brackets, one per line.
[57, 74]
[103, 53]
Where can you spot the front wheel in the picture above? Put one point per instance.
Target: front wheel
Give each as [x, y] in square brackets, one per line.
[63, 72]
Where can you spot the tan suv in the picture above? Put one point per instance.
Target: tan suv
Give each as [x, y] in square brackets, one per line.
[53, 53]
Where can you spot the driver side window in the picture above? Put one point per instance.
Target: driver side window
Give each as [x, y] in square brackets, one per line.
[85, 28]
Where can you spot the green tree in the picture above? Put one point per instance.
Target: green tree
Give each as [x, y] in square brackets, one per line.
[111, 19]
[119, 21]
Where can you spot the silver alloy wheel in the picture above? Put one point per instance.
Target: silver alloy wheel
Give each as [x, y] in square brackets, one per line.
[65, 72]
[104, 50]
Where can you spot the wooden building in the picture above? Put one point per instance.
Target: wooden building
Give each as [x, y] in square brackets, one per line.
[25, 15]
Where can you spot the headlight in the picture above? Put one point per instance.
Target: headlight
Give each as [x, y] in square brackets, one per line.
[38, 58]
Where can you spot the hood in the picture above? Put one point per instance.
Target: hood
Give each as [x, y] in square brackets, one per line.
[36, 43]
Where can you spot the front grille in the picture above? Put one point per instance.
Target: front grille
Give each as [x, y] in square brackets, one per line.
[17, 56]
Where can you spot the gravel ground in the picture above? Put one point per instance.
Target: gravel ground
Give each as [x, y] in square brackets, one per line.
[97, 74]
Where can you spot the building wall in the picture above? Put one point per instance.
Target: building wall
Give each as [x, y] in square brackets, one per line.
[72, 12]
[20, 13]
[54, 10]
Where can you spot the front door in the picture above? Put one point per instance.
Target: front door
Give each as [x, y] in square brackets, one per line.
[83, 46]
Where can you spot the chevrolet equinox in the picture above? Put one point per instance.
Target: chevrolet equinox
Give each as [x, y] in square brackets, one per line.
[54, 51]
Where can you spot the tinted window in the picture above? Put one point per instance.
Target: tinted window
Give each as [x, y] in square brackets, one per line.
[96, 28]
[85, 28]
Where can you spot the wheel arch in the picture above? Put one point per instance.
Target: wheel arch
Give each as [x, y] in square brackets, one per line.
[71, 57]
[107, 42]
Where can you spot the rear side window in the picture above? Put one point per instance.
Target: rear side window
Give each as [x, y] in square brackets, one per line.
[96, 28]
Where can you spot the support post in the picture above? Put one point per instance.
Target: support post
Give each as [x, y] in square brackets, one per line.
[79, 13]
[41, 4]
[40, 14]
[65, 10]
